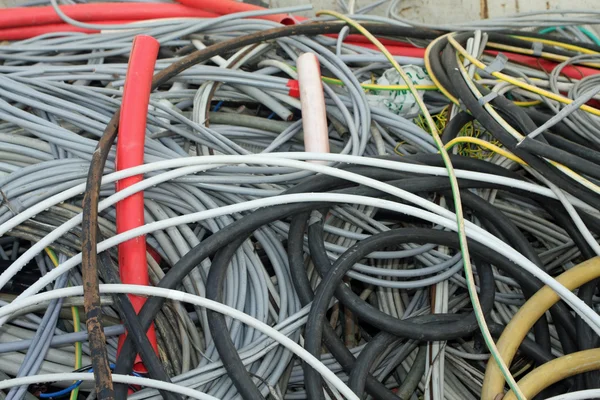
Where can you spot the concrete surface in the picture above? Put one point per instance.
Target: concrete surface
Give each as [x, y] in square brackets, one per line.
[444, 11]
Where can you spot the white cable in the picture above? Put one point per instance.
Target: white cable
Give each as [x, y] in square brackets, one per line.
[222, 160]
[130, 380]
[216, 162]
[176, 295]
[503, 248]
[474, 232]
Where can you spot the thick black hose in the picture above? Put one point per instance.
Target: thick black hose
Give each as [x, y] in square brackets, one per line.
[365, 360]
[468, 98]
[555, 154]
[423, 328]
[452, 129]
[260, 217]
[306, 295]
[218, 326]
[134, 329]
[586, 152]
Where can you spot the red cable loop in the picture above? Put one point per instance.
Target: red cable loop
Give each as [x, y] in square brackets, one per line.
[18, 17]
[224, 7]
[28, 32]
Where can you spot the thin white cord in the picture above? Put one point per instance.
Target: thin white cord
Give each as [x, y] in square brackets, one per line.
[130, 380]
[473, 231]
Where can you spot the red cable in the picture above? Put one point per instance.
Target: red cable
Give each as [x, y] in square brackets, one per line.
[224, 7]
[133, 266]
[28, 32]
[571, 71]
[30, 16]
[397, 50]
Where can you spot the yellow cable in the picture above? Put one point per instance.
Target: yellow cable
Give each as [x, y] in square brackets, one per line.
[517, 82]
[527, 316]
[529, 52]
[543, 54]
[460, 221]
[565, 46]
[396, 148]
[432, 74]
[76, 326]
[557, 370]
[374, 86]
[486, 144]
[445, 92]
[52, 256]
[517, 135]
[530, 103]
[78, 349]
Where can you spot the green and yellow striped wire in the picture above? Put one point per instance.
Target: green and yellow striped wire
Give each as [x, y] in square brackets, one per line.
[76, 327]
[460, 221]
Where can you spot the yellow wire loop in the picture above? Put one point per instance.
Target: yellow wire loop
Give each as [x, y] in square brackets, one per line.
[486, 144]
[554, 43]
[523, 85]
[526, 317]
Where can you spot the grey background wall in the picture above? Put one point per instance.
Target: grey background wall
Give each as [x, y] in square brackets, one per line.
[435, 10]
[454, 10]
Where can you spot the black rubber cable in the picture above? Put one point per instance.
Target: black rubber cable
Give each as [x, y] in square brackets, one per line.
[134, 329]
[454, 126]
[560, 129]
[515, 238]
[366, 359]
[306, 295]
[492, 126]
[555, 154]
[260, 217]
[585, 152]
[422, 328]
[102, 373]
[218, 326]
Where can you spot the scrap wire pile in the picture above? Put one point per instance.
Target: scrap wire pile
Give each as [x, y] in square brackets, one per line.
[290, 275]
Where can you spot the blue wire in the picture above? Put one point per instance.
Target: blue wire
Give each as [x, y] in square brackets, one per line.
[113, 366]
[271, 116]
[69, 389]
[61, 393]
[218, 106]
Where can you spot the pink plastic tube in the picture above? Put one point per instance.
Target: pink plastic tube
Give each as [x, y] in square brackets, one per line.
[133, 266]
[312, 99]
